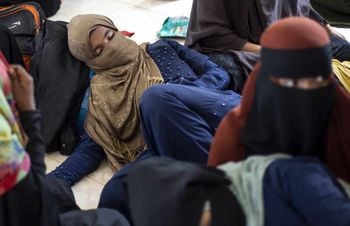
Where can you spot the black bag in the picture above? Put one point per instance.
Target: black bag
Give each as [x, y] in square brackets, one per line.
[50, 7]
[26, 22]
[337, 12]
[60, 84]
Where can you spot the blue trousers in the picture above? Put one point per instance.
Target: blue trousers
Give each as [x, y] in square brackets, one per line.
[114, 195]
[178, 122]
[303, 192]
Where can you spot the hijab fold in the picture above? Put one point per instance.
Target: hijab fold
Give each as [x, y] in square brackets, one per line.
[124, 71]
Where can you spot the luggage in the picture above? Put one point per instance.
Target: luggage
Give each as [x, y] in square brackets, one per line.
[60, 84]
[60, 79]
[26, 22]
[50, 7]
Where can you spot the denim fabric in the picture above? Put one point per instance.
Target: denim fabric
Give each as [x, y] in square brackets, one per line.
[340, 48]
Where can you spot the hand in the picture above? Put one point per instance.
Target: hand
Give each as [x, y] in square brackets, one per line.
[22, 88]
[251, 47]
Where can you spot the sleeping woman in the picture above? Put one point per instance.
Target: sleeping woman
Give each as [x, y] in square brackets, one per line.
[124, 70]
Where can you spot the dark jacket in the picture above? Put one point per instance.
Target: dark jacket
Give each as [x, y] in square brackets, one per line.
[30, 202]
[223, 25]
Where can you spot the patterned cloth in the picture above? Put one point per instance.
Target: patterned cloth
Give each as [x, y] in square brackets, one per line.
[124, 71]
[342, 72]
[14, 161]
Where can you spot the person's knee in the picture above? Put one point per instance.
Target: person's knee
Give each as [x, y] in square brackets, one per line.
[156, 98]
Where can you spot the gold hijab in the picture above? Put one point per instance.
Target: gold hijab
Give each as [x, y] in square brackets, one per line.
[124, 71]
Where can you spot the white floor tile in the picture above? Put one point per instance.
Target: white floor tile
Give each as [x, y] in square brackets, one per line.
[143, 22]
[72, 8]
[87, 193]
[345, 32]
[165, 7]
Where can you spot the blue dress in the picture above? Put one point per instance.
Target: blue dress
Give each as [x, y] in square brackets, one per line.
[198, 102]
[302, 191]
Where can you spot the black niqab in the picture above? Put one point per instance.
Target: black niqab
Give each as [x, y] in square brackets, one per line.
[287, 119]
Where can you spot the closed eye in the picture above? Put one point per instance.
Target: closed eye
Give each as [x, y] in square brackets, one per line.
[98, 51]
[109, 35]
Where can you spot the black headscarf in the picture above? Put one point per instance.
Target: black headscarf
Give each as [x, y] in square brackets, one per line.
[288, 119]
[9, 47]
[164, 192]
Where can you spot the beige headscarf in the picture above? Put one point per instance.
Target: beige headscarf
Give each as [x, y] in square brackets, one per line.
[124, 71]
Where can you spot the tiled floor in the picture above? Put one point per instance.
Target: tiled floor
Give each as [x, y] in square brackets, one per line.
[144, 17]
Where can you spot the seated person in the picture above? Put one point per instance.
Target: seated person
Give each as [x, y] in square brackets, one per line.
[291, 104]
[124, 70]
[27, 197]
[229, 32]
[262, 190]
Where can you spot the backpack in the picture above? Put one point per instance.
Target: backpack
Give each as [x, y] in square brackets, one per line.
[50, 7]
[60, 84]
[26, 22]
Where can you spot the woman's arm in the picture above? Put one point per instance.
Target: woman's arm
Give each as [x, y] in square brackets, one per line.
[210, 75]
[251, 47]
[23, 91]
[199, 63]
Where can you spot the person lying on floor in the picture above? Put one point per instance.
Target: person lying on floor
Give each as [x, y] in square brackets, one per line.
[271, 190]
[291, 103]
[229, 32]
[27, 196]
[290, 117]
[124, 71]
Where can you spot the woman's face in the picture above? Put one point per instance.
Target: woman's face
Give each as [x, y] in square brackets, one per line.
[100, 38]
